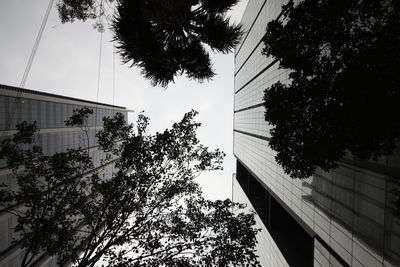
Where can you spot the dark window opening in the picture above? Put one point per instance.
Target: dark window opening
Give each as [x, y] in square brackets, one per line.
[293, 241]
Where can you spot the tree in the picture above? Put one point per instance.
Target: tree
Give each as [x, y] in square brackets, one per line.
[71, 10]
[147, 212]
[165, 38]
[343, 92]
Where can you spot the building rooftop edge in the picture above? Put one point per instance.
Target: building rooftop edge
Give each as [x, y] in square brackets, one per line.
[29, 91]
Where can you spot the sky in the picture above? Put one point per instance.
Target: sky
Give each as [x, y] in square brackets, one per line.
[67, 63]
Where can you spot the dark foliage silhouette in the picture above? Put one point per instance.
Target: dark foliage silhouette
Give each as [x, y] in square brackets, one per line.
[343, 93]
[166, 38]
[71, 10]
[147, 212]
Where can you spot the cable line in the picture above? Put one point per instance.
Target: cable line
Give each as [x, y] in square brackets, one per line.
[113, 94]
[15, 105]
[36, 45]
[101, 29]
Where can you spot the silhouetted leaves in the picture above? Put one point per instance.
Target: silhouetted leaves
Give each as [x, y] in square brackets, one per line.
[71, 10]
[343, 88]
[145, 210]
[166, 38]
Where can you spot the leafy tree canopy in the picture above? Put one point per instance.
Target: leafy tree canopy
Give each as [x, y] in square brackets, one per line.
[165, 38]
[141, 208]
[343, 88]
[71, 10]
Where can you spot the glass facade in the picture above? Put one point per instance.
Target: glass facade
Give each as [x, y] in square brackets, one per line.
[269, 253]
[50, 112]
[347, 211]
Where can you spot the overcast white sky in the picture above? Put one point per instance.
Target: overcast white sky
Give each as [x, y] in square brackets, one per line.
[66, 63]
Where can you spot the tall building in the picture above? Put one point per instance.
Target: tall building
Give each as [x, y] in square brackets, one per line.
[50, 111]
[337, 218]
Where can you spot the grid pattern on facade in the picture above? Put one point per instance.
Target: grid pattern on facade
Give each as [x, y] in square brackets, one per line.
[254, 91]
[345, 207]
[253, 7]
[48, 114]
[53, 137]
[349, 207]
[323, 256]
[270, 10]
[252, 121]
